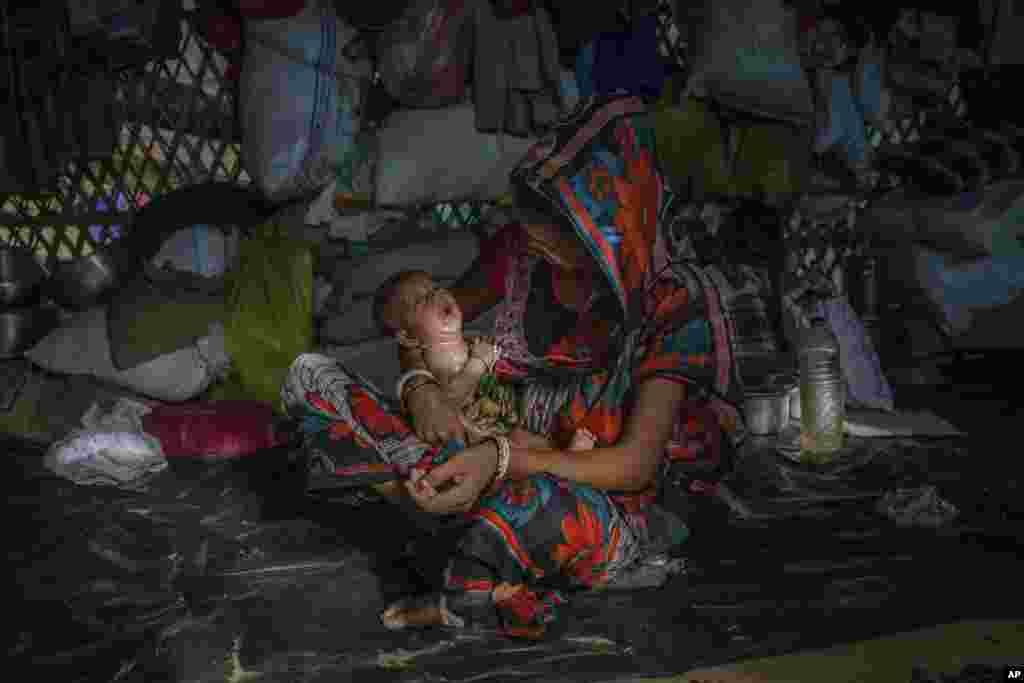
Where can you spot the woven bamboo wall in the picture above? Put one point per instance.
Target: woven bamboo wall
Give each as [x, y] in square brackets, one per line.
[179, 129]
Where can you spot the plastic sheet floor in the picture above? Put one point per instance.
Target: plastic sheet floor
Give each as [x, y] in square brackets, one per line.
[223, 572]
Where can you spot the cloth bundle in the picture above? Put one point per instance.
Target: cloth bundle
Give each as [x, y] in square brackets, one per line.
[214, 429]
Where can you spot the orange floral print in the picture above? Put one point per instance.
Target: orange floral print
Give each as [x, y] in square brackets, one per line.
[375, 419]
[601, 185]
[585, 554]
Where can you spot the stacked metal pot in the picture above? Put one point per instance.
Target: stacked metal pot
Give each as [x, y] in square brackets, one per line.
[24, 319]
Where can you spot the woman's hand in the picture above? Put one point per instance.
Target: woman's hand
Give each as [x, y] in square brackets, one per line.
[433, 418]
[456, 485]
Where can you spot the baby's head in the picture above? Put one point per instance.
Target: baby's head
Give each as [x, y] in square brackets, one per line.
[413, 308]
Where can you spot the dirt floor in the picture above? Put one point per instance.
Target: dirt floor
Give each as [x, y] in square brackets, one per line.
[225, 572]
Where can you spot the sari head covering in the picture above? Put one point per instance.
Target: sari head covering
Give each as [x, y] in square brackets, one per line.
[597, 170]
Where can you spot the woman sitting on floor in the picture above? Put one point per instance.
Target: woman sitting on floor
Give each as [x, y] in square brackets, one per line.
[602, 330]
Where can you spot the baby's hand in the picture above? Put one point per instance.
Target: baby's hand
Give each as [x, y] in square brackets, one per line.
[486, 349]
[583, 440]
[416, 478]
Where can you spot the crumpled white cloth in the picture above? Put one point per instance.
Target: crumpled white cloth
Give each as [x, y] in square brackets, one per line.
[113, 449]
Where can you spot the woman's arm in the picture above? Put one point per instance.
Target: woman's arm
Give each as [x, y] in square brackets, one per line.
[630, 465]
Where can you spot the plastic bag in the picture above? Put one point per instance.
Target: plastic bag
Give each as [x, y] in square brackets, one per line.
[424, 56]
[123, 459]
[269, 311]
[300, 99]
[112, 449]
[201, 249]
[221, 429]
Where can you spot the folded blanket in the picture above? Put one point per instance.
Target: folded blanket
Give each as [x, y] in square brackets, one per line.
[160, 314]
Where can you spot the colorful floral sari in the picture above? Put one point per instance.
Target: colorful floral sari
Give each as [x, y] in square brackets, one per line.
[532, 541]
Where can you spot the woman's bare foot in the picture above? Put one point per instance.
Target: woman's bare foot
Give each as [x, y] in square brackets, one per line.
[418, 612]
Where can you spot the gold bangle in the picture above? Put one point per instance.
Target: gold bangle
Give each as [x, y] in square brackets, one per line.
[411, 390]
[504, 457]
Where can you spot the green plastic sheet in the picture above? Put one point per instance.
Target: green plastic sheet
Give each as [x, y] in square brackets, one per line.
[269, 313]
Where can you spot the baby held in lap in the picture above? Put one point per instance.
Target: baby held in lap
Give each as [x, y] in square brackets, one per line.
[426, 317]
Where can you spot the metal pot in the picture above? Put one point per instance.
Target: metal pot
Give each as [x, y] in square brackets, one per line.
[767, 412]
[20, 276]
[23, 328]
[794, 403]
[84, 282]
[766, 407]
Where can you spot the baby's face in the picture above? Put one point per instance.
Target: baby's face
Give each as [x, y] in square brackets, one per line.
[430, 312]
